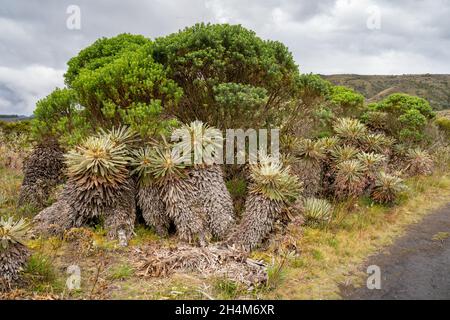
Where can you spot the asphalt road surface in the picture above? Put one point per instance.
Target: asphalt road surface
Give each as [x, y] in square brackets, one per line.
[416, 266]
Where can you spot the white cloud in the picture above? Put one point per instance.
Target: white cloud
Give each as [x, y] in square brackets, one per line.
[29, 84]
[327, 36]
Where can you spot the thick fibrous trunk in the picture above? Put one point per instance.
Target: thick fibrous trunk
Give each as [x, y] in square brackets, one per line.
[43, 170]
[185, 211]
[310, 173]
[120, 219]
[257, 222]
[12, 262]
[213, 195]
[56, 219]
[77, 207]
[153, 209]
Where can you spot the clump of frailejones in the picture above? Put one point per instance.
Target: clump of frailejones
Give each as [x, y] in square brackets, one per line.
[99, 187]
[149, 192]
[182, 183]
[13, 252]
[43, 171]
[308, 164]
[387, 188]
[167, 195]
[419, 162]
[206, 175]
[316, 211]
[272, 188]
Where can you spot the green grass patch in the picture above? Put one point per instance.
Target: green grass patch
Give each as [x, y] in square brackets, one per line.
[121, 272]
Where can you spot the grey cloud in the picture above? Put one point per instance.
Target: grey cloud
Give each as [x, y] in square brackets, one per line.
[327, 36]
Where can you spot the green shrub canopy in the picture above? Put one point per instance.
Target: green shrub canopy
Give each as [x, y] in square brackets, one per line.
[205, 59]
[113, 82]
[407, 116]
[221, 74]
[102, 52]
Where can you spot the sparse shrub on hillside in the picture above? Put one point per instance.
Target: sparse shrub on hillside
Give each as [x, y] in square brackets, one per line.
[13, 252]
[20, 128]
[387, 188]
[317, 211]
[444, 125]
[272, 186]
[441, 158]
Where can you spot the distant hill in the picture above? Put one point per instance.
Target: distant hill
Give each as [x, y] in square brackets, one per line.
[12, 117]
[433, 87]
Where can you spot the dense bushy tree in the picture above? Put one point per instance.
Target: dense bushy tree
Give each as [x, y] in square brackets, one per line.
[132, 89]
[346, 101]
[59, 116]
[102, 52]
[202, 58]
[407, 116]
[113, 82]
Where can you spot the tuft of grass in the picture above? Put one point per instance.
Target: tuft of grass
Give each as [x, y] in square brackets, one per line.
[227, 289]
[40, 267]
[441, 236]
[276, 271]
[121, 272]
[143, 235]
[41, 275]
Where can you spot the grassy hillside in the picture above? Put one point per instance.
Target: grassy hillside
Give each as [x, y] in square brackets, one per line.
[435, 88]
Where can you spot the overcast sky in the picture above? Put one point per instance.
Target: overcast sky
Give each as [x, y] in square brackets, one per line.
[342, 36]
